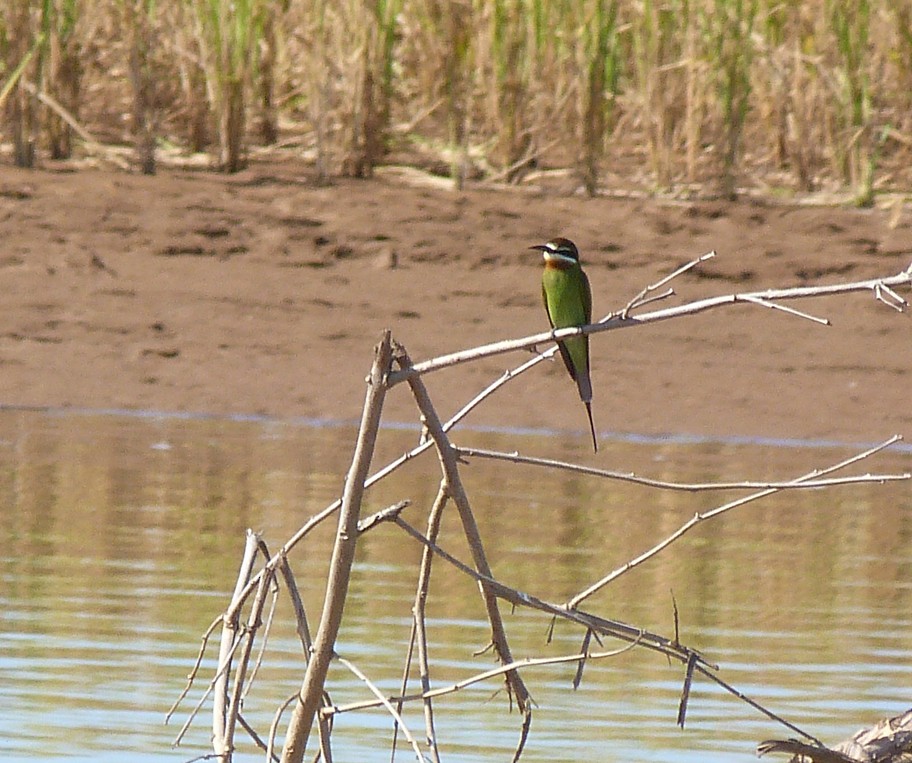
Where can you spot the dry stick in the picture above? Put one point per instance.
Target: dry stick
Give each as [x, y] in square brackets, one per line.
[691, 487]
[671, 648]
[754, 704]
[898, 303]
[384, 515]
[647, 295]
[303, 631]
[698, 518]
[318, 518]
[456, 491]
[274, 726]
[419, 630]
[618, 321]
[325, 751]
[526, 662]
[221, 671]
[342, 559]
[220, 740]
[784, 309]
[604, 626]
[55, 106]
[267, 627]
[191, 676]
[385, 703]
[254, 621]
[256, 737]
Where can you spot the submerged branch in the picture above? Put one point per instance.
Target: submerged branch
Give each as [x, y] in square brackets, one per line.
[634, 636]
[343, 556]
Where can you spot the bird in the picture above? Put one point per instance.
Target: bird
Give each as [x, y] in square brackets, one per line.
[568, 302]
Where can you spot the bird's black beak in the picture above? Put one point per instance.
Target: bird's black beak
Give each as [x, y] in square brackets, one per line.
[539, 247]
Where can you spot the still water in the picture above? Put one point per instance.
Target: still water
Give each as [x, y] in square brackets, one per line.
[120, 538]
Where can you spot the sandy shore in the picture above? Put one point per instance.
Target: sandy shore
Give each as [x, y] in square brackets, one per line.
[263, 293]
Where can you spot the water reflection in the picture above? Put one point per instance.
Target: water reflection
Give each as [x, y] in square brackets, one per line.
[121, 537]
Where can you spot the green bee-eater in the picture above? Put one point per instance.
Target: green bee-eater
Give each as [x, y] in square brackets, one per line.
[568, 301]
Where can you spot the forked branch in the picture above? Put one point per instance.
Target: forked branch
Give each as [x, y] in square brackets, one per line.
[622, 319]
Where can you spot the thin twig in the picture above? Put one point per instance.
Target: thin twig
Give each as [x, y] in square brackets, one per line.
[267, 626]
[790, 310]
[384, 515]
[698, 518]
[644, 296]
[485, 675]
[227, 646]
[385, 703]
[897, 302]
[254, 621]
[220, 672]
[251, 732]
[191, 676]
[754, 704]
[692, 487]
[301, 625]
[601, 625]
[419, 630]
[276, 719]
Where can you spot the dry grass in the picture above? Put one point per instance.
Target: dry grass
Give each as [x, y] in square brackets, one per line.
[708, 96]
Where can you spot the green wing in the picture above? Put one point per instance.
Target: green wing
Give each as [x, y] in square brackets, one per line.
[587, 297]
[561, 346]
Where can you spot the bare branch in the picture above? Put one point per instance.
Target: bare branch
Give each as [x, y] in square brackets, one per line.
[692, 487]
[221, 671]
[643, 297]
[617, 321]
[698, 518]
[790, 310]
[254, 621]
[384, 702]
[485, 675]
[420, 615]
[194, 671]
[601, 625]
[342, 559]
[221, 742]
[896, 302]
[456, 491]
[634, 636]
[384, 515]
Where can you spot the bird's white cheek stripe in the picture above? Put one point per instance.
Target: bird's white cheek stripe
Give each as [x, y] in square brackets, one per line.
[554, 256]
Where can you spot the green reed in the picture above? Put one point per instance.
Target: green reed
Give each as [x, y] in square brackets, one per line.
[600, 72]
[664, 61]
[513, 60]
[26, 37]
[228, 32]
[850, 20]
[64, 75]
[729, 26]
[139, 21]
[703, 92]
